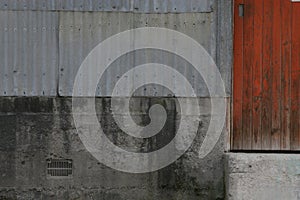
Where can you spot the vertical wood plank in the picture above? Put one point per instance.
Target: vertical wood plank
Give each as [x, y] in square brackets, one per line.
[295, 78]
[286, 37]
[257, 75]
[237, 77]
[248, 65]
[267, 74]
[266, 84]
[276, 83]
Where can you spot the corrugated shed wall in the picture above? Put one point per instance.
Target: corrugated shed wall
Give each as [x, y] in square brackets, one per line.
[144, 6]
[28, 53]
[80, 32]
[42, 50]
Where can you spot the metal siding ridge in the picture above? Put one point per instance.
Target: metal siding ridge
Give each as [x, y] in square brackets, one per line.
[139, 6]
[80, 32]
[29, 52]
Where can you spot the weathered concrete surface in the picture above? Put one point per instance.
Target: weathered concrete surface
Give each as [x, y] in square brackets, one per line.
[34, 129]
[262, 176]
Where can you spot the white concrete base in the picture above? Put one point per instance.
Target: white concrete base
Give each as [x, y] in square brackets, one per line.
[262, 176]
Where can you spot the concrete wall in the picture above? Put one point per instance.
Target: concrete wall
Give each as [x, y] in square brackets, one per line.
[34, 129]
[263, 176]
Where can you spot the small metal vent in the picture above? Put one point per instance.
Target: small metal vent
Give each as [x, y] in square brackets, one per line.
[59, 167]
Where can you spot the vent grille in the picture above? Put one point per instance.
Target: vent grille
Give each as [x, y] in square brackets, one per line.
[59, 167]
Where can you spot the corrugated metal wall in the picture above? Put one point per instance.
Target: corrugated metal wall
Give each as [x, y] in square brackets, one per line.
[144, 6]
[80, 32]
[28, 53]
[42, 50]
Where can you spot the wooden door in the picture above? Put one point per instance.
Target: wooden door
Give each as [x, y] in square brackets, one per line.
[266, 83]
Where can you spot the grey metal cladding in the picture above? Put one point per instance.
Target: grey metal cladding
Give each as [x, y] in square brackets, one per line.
[144, 6]
[225, 42]
[80, 32]
[171, 6]
[28, 53]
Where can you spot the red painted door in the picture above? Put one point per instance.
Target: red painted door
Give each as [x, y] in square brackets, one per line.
[266, 83]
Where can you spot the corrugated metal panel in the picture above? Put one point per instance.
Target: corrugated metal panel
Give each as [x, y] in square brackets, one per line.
[168, 6]
[28, 53]
[224, 41]
[80, 32]
[145, 6]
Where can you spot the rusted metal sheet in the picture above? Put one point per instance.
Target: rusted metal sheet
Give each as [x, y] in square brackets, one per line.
[80, 32]
[266, 99]
[144, 6]
[28, 53]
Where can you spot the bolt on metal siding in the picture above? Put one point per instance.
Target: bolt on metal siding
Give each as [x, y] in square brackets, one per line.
[42, 44]
[144, 6]
[28, 53]
[80, 32]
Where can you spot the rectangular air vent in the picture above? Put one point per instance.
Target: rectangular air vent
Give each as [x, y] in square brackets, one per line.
[59, 168]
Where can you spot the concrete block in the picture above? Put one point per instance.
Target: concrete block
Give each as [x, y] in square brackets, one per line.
[262, 176]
